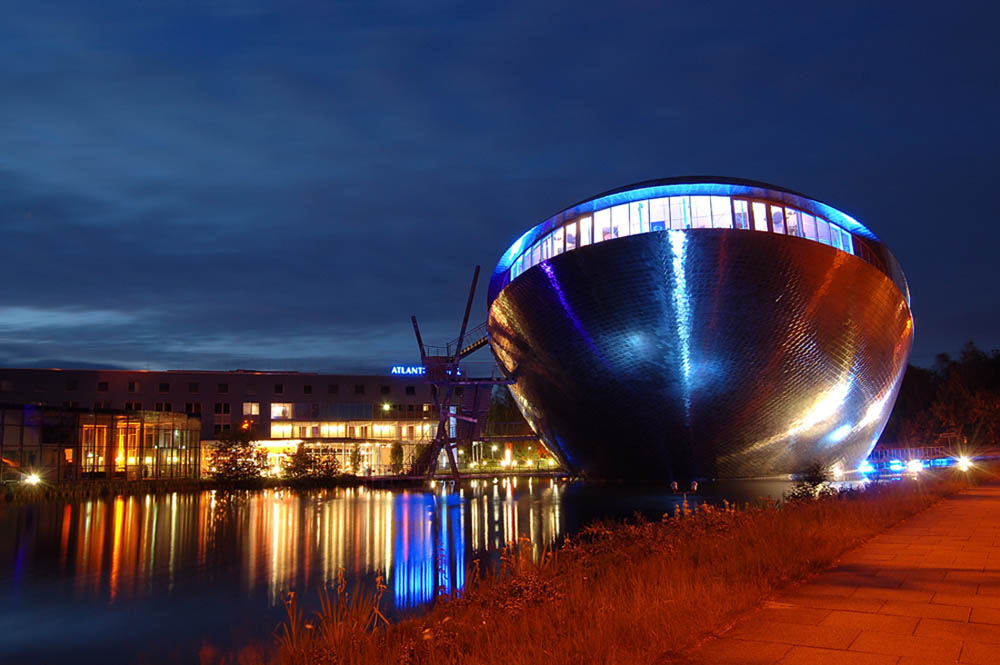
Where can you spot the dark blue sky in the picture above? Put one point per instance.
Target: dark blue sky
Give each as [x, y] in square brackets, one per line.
[222, 184]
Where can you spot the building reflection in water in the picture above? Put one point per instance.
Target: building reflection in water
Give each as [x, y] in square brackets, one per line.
[272, 542]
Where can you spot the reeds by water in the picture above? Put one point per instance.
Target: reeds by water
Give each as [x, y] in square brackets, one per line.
[636, 592]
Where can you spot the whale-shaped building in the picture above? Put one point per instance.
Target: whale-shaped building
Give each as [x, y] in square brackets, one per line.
[701, 327]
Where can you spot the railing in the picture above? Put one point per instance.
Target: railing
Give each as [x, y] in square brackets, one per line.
[905, 454]
[472, 335]
[492, 429]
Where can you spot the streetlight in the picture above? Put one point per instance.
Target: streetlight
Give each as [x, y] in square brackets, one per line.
[493, 452]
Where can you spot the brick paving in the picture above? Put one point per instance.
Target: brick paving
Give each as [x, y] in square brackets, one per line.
[926, 591]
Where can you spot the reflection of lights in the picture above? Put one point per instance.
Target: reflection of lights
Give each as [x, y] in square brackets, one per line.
[838, 471]
[825, 407]
[896, 465]
[874, 411]
[964, 463]
[386, 407]
[33, 479]
[682, 311]
[866, 467]
[914, 466]
[839, 434]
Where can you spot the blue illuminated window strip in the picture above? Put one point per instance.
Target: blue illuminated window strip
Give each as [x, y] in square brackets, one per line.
[619, 225]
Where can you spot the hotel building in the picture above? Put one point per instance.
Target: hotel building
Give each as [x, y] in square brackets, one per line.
[111, 412]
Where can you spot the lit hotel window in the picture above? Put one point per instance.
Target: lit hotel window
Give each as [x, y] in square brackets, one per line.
[823, 231]
[638, 217]
[281, 411]
[680, 212]
[659, 214]
[602, 225]
[792, 224]
[619, 221]
[701, 212]
[722, 213]
[759, 216]
[586, 231]
[742, 214]
[809, 226]
[778, 219]
[251, 408]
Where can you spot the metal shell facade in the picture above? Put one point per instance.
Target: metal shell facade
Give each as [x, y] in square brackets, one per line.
[704, 352]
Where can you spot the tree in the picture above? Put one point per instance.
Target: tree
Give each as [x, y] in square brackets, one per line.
[957, 403]
[503, 416]
[812, 482]
[356, 460]
[396, 457]
[236, 457]
[306, 465]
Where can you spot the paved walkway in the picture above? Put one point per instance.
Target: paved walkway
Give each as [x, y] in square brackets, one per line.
[926, 591]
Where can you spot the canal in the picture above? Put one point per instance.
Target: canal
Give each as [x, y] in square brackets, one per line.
[154, 579]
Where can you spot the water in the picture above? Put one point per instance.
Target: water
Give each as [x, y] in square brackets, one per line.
[152, 579]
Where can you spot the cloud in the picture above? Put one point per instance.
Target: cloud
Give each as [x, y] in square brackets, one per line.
[35, 318]
[235, 174]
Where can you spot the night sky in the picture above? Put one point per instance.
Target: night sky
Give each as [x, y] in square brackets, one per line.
[238, 184]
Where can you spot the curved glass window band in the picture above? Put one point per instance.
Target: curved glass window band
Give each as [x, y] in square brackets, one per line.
[683, 213]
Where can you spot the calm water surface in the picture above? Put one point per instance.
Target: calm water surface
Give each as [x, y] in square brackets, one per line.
[151, 579]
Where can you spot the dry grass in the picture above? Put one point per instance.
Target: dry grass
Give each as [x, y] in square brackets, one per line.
[617, 593]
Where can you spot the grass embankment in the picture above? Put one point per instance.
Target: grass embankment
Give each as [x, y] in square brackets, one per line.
[615, 593]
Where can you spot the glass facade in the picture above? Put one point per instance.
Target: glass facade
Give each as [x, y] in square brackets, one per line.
[68, 444]
[139, 446]
[682, 213]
